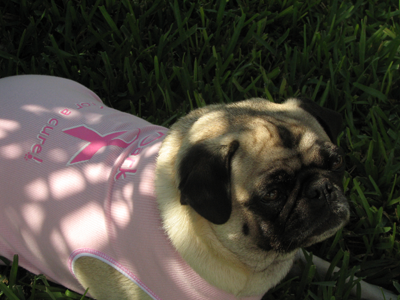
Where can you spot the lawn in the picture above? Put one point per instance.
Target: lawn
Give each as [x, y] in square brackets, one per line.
[159, 59]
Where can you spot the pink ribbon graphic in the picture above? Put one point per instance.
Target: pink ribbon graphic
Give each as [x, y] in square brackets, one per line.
[96, 141]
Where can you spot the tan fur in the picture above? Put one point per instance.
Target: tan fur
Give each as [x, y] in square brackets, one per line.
[220, 254]
[217, 252]
[105, 282]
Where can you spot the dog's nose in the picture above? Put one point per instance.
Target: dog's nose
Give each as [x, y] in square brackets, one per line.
[320, 189]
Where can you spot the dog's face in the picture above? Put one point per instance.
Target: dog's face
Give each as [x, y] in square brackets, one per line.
[267, 177]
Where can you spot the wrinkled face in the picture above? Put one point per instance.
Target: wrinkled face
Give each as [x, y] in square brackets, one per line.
[286, 190]
[266, 176]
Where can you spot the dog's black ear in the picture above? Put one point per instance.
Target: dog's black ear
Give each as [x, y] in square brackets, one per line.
[205, 180]
[330, 120]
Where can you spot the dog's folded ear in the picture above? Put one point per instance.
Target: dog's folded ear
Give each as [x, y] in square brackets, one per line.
[205, 175]
[330, 120]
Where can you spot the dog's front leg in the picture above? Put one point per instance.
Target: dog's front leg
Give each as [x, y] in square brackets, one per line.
[105, 282]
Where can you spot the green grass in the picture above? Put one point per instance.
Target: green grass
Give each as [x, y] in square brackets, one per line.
[159, 59]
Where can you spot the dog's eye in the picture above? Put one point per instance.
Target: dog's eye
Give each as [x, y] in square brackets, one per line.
[272, 195]
[337, 163]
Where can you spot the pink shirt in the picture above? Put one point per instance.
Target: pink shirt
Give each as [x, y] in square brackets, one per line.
[77, 180]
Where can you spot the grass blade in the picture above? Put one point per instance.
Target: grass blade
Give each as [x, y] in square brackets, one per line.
[110, 21]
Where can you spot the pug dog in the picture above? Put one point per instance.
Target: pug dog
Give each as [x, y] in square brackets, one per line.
[215, 208]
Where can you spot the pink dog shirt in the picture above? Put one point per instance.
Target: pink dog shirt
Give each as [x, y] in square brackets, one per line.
[77, 180]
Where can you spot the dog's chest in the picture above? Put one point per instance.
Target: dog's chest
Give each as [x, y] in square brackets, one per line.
[77, 179]
[72, 172]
